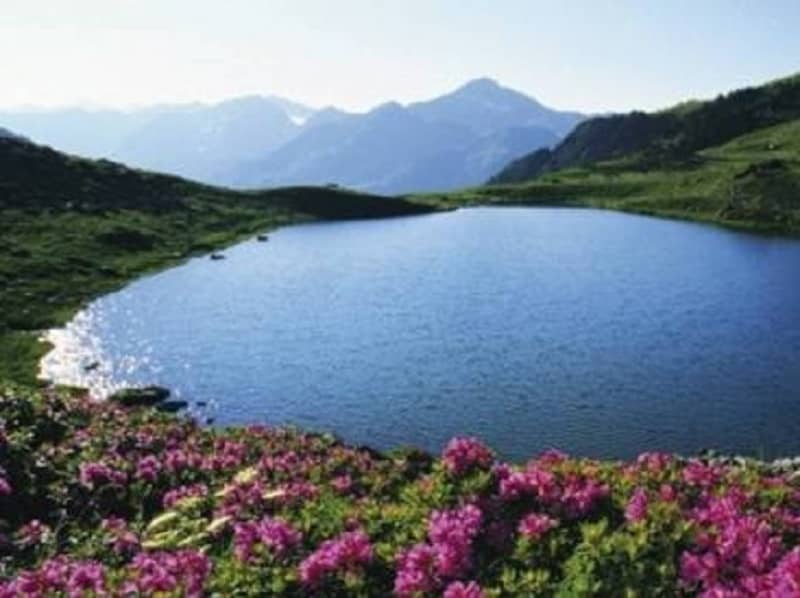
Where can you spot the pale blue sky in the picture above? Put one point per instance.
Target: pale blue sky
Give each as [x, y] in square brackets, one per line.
[592, 55]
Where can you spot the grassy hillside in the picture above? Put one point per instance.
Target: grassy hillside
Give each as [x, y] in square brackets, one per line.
[656, 140]
[751, 182]
[75, 228]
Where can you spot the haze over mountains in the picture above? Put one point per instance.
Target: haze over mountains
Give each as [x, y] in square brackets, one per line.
[458, 139]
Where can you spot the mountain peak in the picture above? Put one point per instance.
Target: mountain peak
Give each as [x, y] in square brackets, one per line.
[480, 84]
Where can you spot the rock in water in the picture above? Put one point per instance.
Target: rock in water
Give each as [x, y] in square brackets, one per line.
[172, 406]
[146, 396]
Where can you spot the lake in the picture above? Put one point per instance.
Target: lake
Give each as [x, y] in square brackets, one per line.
[600, 333]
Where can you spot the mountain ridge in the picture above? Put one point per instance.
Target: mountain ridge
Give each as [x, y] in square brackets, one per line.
[246, 141]
[466, 133]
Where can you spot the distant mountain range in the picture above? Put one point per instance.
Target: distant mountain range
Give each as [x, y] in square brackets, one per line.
[452, 141]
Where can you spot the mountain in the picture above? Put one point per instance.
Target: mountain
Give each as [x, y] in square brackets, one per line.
[384, 150]
[199, 141]
[455, 140]
[6, 134]
[192, 140]
[458, 139]
[733, 161]
[669, 135]
[485, 106]
[90, 133]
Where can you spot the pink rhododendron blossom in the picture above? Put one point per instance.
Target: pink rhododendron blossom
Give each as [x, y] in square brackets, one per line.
[60, 576]
[535, 525]
[637, 506]
[697, 473]
[459, 589]
[183, 572]
[342, 484]
[464, 454]
[148, 468]
[174, 496]
[274, 534]
[416, 571]
[99, 473]
[653, 462]
[347, 552]
[123, 540]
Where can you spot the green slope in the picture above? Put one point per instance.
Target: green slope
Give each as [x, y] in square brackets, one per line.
[75, 228]
[653, 140]
[750, 182]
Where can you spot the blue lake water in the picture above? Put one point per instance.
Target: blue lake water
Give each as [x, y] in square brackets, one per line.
[600, 333]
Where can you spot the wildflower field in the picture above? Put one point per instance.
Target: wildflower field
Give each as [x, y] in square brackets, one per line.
[97, 499]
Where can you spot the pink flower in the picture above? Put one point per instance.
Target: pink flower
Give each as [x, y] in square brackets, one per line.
[579, 496]
[697, 473]
[275, 534]
[416, 571]
[637, 506]
[5, 487]
[535, 525]
[653, 462]
[342, 484]
[183, 572]
[58, 576]
[464, 454]
[148, 468]
[176, 495]
[98, 474]
[452, 533]
[87, 577]
[786, 575]
[459, 589]
[122, 539]
[551, 457]
[32, 533]
[347, 552]
[667, 493]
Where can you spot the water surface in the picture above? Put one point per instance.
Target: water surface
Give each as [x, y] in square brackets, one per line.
[600, 333]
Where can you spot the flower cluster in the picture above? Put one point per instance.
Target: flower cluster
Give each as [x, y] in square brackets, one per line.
[58, 575]
[637, 506]
[277, 536]
[96, 474]
[424, 567]
[463, 454]
[183, 572]
[737, 550]
[121, 538]
[346, 553]
[176, 495]
[567, 494]
[535, 525]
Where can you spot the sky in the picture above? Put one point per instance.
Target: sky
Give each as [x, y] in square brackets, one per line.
[592, 55]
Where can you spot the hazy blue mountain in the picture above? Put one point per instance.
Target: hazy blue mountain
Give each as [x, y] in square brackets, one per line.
[486, 106]
[376, 151]
[90, 133]
[194, 140]
[456, 140]
[200, 141]
[297, 112]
